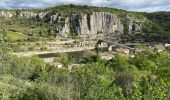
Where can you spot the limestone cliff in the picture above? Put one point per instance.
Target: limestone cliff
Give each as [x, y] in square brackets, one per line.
[80, 24]
[87, 24]
[7, 14]
[134, 25]
[27, 14]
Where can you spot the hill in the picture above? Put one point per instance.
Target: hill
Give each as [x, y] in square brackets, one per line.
[120, 74]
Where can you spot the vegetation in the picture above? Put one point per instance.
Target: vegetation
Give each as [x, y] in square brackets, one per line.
[78, 9]
[144, 77]
[15, 36]
[23, 29]
[158, 28]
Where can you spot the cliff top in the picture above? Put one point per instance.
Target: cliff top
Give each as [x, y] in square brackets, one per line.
[78, 9]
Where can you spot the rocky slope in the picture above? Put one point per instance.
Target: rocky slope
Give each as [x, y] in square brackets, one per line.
[81, 24]
[84, 24]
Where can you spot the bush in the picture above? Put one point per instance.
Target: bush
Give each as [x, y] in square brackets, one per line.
[23, 67]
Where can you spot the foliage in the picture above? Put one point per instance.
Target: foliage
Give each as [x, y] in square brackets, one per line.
[158, 27]
[12, 87]
[78, 9]
[24, 68]
[15, 36]
[90, 58]
[146, 76]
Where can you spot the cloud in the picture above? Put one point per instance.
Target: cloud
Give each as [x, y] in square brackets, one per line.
[132, 5]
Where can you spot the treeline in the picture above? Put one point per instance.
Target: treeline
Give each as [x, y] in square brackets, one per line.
[79, 9]
[158, 29]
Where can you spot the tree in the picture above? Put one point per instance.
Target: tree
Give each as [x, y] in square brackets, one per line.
[119, 63]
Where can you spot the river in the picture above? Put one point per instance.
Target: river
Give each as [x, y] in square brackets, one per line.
[76, 55]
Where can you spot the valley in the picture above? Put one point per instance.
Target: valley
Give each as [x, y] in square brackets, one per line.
[74, 52]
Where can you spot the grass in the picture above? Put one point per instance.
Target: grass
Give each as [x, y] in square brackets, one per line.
[16, 36]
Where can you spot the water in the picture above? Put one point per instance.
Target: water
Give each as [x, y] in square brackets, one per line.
[72, 56]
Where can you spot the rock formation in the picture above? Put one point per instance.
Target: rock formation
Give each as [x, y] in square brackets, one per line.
[134, 25]
[88, 24]
[7, 14]
[81, 24]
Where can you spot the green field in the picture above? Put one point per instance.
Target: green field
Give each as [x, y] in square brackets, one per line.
[15, 36]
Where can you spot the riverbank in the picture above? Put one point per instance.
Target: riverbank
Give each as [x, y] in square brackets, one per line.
[63, 50]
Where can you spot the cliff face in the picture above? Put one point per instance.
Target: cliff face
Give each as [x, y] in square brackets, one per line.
[6, 14]
[87, 24]
[134, 25]
[80, 24]
[21, 14]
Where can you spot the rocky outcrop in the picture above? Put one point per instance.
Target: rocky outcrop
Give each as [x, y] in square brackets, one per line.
[30, 14]
[87, 24]
[41, 15]
[134, 25]
[6, 14]
[21, 14]
[27, 14]
[99, 22]
[81, 24]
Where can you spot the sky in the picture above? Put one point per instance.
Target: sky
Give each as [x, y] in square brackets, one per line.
[131, 5]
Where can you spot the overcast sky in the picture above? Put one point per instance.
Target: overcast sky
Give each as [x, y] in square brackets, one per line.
[132, 5]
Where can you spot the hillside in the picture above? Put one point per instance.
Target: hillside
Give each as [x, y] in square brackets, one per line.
[71, 20]
[84, 53]
[158, 28]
